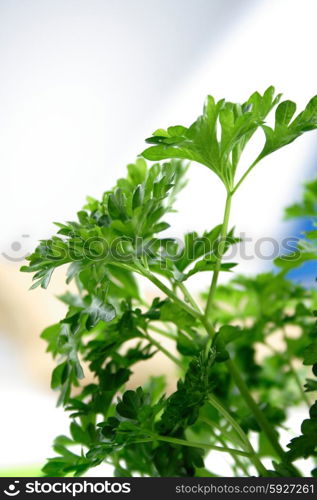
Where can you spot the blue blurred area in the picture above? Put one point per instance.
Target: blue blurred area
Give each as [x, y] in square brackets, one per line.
[306, 274]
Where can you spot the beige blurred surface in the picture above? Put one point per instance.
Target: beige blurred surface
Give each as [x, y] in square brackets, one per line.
[25, 313]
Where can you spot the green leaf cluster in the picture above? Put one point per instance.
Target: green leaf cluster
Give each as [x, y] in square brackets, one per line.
[219, 136]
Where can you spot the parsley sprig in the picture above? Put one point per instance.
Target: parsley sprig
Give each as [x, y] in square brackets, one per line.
[224, 391]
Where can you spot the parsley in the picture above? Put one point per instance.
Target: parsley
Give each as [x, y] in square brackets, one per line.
[224, 392]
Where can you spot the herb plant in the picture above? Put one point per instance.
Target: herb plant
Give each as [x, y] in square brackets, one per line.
[226, 400]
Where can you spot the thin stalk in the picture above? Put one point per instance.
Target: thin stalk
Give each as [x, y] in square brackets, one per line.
[245, 393]
[237, 439]
[163, 350]
[259, 415]
[208, 327]
[246, 173]
[264, 424]
[162, 332]
[298, 383]
[137, 267]
[156, 281]
[221, 250]
[235, 457]
[190, 299]
[294, 373]
[218, 406]
[192, 444]
[253, 456]
[244, 439]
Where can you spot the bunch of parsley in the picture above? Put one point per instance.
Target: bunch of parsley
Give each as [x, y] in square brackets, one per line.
[226, 400]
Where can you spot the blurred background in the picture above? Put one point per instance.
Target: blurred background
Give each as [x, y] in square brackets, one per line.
[83, 83]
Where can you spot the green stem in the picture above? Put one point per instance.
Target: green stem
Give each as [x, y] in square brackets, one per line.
[163, 350]
[212, 399]
[208, 327]
[264, 424]
[244, 391]
[157, 282]
[259, 415]
[162, 332]
[230, 437]
[298, 383]
[216, 404]
[294, 372]
[291, 369]
[221, 249]
[189, 297]
[223, 411]
[253, 456]
[235, 457]
[192, 444]
[246, 173]
[137, 267]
